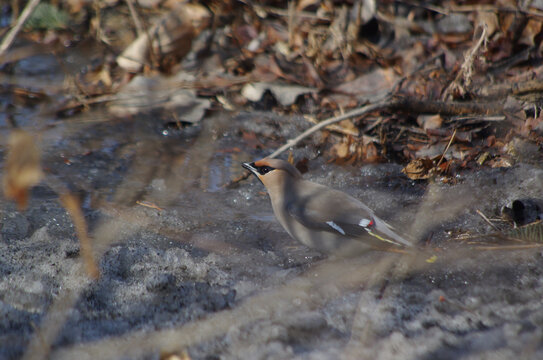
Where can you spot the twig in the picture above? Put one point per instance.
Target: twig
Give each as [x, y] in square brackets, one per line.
[351, 114]
[10, 37]
[473, 8]
[467, 67]
[486, 219]
[358, 112]
[407, 105]
[240, 178]
[447, 108]
[468, 62]
[283, 12]
[100, 34]
[446, 148]
[493, 118]
[149, 205]
[139, 26]
[508, 247]
[291, 21]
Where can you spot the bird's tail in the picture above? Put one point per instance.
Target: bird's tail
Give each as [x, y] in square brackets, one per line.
[382, 231]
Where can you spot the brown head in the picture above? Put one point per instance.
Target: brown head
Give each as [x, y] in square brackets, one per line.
[273, 173]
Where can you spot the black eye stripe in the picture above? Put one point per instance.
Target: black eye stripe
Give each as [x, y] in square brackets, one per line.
[262, 170]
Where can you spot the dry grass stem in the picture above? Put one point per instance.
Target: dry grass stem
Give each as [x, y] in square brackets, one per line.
[134, 14]
[71, 204]
[487, 220]
[349, 115]
[446, 148]
[10, 37]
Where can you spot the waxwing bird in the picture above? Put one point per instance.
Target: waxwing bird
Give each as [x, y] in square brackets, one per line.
[320, 217]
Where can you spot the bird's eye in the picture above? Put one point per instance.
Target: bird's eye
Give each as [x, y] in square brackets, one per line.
[263, 170]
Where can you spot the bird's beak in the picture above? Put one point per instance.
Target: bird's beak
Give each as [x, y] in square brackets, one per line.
[250, 167]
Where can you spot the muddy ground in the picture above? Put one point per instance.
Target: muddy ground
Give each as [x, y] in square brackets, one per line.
[211, 274]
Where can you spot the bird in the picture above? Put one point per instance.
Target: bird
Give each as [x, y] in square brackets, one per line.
[320, 217]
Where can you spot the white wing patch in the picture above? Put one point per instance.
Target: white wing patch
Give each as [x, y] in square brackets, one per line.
[336, 227]
[364, 222]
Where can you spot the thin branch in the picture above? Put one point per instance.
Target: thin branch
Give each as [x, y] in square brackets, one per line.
[487, 220]
[406, 105]
[446, 148]
[351, 114]
[10, 37]
[463, 78]
[335, 128]
[447, 108]
[508, 247]
[392, 104]
[472, 8]
[291, 22]
[139, 26]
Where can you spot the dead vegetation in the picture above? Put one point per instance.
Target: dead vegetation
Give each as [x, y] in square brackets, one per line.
[440, 89]
[472, 70]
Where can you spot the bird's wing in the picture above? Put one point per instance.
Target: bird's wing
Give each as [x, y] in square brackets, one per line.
[350, 217]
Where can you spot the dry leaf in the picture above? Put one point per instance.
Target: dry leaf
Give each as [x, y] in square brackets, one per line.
[430, 121]
[530, 32]
[418, 169]
[370, 85]
[341, 150]
[23, 168]
[171, 38]
[488, 19]
[501, 162]
[370, 153]
[144, 94]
